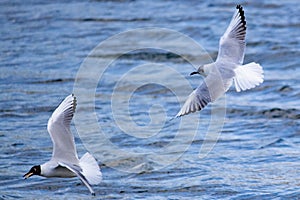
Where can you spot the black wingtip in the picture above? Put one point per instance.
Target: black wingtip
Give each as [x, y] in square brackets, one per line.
[239, 6]
[242, 14]
[74, 102]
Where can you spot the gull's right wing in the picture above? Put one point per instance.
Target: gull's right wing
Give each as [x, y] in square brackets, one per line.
[213, 86]
[196, 101]
[78, 171]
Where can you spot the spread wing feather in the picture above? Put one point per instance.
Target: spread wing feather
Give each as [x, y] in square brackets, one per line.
[59, 129]
[232, 44]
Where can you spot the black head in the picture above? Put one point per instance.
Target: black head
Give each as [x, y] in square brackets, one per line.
[35, 170]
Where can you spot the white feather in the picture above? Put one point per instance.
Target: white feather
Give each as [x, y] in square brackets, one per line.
[248, 76]
[90, 169]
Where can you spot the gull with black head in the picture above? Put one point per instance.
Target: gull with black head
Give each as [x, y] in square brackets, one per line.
[64, 162]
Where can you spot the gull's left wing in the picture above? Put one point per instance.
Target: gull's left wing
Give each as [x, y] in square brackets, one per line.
[59, 129]
[232, 43]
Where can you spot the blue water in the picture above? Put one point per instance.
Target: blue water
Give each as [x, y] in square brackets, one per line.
[45, 44]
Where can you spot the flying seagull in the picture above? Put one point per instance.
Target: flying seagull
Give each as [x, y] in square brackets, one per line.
[227, 68]
[64, 162]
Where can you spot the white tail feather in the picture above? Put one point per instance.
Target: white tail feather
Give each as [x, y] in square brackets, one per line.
[248, 76]
[90, 169]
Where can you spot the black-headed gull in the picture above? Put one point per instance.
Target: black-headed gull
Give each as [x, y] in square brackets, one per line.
[227, 68]
[64, 162]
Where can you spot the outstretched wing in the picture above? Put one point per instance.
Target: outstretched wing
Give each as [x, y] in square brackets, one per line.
[59, 129]
[212, 88]
[232, 43]
[196, 101]
[78, 171]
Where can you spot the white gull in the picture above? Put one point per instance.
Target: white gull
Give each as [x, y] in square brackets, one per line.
[64, 162]
[227, 68]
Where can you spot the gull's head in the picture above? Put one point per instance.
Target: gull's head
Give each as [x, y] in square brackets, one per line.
[199, 71]
[35, 170]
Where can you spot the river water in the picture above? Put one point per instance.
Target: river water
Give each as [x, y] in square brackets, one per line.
[128, 62]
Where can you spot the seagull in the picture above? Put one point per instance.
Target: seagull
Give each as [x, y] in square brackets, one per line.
[227, 68]
[64, 162]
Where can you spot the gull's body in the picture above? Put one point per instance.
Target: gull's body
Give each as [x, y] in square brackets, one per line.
[64, 162]
[227, 68]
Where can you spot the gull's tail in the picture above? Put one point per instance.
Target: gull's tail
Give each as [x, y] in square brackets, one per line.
[90, 169]
[248, 76]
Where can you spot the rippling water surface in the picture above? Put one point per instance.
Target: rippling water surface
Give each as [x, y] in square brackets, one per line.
[43, 45]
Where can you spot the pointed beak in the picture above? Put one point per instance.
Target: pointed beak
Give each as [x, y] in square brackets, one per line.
[193, 73]
[27, 175]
